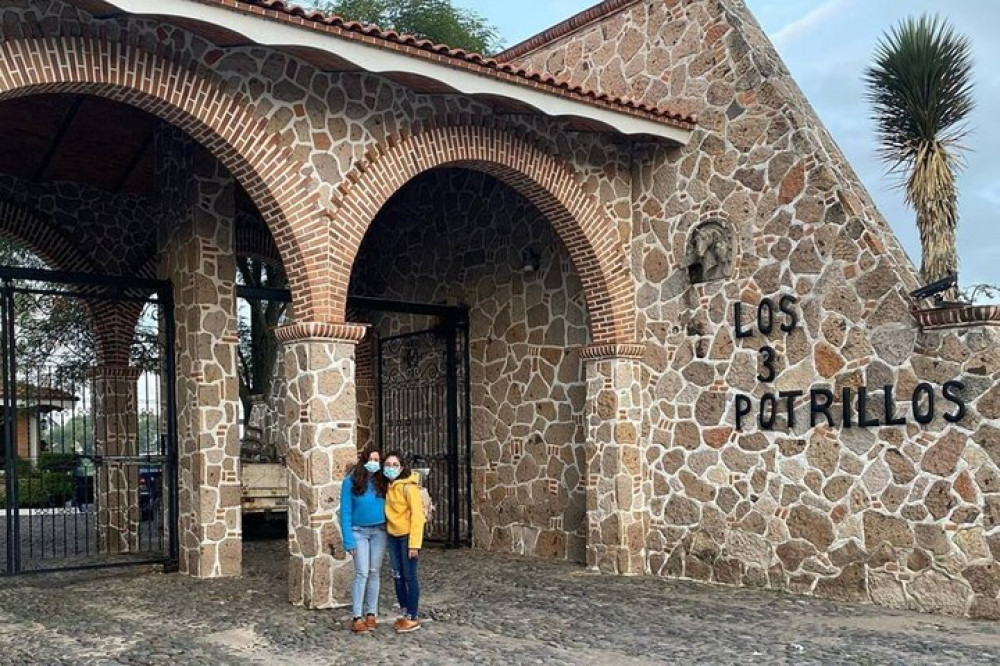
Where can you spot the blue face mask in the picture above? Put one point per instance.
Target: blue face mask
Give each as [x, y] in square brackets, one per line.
[391, 473]
[372, 466]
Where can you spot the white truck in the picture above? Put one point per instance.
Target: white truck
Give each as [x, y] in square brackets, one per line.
[265, 487]
[263, 474]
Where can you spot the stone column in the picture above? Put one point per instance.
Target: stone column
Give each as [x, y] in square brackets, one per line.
[115, 436]
[196, 244]
[617, 512]
[321, 422]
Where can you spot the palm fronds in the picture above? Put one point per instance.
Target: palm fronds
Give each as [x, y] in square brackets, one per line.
[921, 91]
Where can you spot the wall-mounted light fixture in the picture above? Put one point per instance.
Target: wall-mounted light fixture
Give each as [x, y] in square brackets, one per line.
[530, 260]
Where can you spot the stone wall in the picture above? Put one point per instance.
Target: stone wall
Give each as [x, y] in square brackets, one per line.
[460, 235]
[76, 228]
[273, 118]
[901, 515]
[80, 228]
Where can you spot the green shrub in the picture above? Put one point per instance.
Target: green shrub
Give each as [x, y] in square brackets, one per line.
[57, 462]
[43, 490]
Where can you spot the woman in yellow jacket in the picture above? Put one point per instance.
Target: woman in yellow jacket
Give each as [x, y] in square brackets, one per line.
[404, 516]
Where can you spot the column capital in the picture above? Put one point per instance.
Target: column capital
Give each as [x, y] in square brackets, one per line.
[342, 332]
[114, 372]
[612, 351]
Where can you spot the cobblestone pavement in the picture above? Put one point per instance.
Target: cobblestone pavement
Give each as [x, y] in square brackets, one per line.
[481, 608]
[49, 537]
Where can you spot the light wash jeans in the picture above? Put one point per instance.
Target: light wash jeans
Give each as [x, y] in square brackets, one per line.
[370, 548]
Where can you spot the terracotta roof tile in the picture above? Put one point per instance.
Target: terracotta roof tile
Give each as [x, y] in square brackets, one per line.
[32, 392]
[475, 61]
[572, 24]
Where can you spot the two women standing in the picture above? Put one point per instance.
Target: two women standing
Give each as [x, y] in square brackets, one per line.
[379, 497]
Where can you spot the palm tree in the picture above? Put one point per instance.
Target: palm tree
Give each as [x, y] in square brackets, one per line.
[920, 86]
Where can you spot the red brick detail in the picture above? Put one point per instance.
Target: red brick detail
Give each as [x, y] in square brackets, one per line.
[458, 58]
[590, 236]
[602, 352]
[34, 233]
[961, 316]
[114, 372]
[196, 101]
[114, 330]
[347, 333]
[565, 28]
[364, 362]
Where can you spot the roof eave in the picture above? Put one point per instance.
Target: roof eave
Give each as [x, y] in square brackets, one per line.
[565, 28]
[380, 59]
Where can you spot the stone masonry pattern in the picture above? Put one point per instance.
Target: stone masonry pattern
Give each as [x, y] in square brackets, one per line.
[461, 235]
[197, 257]
[115, 434]
[319, 415]
[318, 128]
[899, 516]
[903, 516]
[617, 517]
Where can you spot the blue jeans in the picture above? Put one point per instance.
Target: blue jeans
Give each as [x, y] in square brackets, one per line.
[369, 549]
[404, 573]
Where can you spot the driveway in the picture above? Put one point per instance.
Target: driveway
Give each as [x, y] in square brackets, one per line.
[481, 609]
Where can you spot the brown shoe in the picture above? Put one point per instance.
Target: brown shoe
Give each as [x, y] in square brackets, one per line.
[405, 626]
[371, 622]
[359, 626]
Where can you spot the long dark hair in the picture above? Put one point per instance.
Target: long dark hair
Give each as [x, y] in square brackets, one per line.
[404, 466]
[359, 475]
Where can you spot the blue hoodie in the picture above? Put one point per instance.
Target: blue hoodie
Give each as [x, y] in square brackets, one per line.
[367, 510]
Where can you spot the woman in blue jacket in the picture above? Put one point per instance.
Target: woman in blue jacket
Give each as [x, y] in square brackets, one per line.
[362, 525]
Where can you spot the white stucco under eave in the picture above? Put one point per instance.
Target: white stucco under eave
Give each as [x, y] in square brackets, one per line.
[267, 32]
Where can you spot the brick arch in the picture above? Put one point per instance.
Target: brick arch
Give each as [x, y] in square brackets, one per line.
[194, 100]
[114, 330]
[114, 322]
[590, 236]
[45, 241]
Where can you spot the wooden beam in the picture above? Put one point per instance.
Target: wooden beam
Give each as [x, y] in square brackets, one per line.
[57, 139]
[134, 162]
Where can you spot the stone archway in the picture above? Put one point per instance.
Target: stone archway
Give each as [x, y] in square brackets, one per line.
[615, 520]
[194, 100]
[549, 183]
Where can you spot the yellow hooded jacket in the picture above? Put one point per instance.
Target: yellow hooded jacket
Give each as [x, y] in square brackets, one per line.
[404, 514]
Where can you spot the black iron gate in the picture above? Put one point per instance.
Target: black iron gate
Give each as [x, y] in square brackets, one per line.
[423, 412]
[89, 446]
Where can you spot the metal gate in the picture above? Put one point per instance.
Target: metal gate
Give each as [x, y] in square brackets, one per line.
[89, 450]
[424, 413]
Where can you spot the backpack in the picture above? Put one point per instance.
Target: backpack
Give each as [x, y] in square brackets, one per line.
[426, 505]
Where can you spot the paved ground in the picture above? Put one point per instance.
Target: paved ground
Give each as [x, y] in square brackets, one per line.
[482, 609]
[68, 537]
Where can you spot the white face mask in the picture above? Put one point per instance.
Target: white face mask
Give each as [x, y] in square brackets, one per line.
[372, 466]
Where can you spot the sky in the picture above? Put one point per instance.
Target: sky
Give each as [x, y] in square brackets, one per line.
[827, 44]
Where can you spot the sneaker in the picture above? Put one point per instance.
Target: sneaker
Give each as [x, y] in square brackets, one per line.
[405, 626]
[371, 622]
[359, 626]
